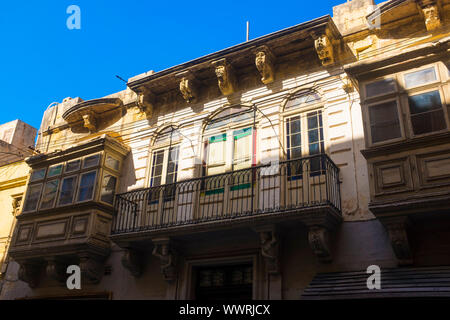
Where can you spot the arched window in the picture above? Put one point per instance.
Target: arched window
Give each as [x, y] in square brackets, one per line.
[165, 153]
[304, 128]
[229, 141]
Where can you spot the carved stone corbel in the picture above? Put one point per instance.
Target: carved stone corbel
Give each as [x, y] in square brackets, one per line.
[270, 248]
[324, 49]
[90, 122]
[397, 229]
[55, 270]
[188, 87]
[146, 101]
[225, 76]
[132, 261]
[318, 238]
[264, 60]
[430, 12]
[163, 249]
[92, 269]
[30, 273]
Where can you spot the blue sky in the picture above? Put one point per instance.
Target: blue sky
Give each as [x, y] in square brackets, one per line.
[42, 61]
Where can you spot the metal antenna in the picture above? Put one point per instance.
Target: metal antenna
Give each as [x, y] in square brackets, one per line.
[248, 29]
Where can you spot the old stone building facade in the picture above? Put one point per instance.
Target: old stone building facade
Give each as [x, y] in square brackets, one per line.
[280, 168]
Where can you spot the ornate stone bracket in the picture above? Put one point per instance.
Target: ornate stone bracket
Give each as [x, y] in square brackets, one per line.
[188, 87]
[225, 76]
[397, 230]
[92, 269]
[132, 261]
[270, 248]
[318, 238]
[55, 270]
[324, 49]
[165, 251]
[430, 12]
[146, 101]
[30, 273]
[264, 60]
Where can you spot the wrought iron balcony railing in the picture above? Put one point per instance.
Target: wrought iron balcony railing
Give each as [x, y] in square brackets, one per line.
[285, 186]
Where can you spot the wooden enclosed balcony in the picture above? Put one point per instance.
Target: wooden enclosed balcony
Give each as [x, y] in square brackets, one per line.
[305, 189]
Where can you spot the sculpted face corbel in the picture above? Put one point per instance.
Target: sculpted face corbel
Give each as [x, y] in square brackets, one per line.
[318, 238]
[225, 76]
[90, 122]
[164, 250]
[264, 60]
[30, 273]
[55, 270]
[132, 260]
[188, 87]
[397, 229]
[92, 268]
[270, 247]
[431, 16]
[146, 101]
[324, 48]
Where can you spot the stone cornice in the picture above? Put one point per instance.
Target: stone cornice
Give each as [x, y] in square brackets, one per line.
[13, 183]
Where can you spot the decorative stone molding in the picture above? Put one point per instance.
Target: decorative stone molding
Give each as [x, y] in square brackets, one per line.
[188, 87]
[30, 273]
[397, 229]
[431, 16]
[225, 76]
[92, 269]
[132, 261]
[163, 249]
[146, 102]
[264, 60]
[324, 49]
[55, 270]
[318, 238]
[270, 248]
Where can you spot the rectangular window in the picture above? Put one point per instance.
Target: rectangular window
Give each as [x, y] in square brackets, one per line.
[157, 168]
[420, 77]
[38, 174]
[73, 165]
[112, 163]
[68, 187]
[49, 194]
[216, 157]
[380, 87]
[91, 161]
[384, 121]
[242, 153]
[54, 171]
[172, 165]
[108, 188]
[87, 185]
[315, 141]
[33, 195]
[426, 111]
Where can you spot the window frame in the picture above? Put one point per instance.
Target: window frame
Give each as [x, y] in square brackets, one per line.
[80, 174]
[40, 184]
[165, 150]
[104, 173]
[58, 205]
[55, 200]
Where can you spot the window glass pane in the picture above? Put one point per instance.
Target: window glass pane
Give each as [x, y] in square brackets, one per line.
[380, 87]
[33, 194]
[55, 170]
[67, 190]
[315, 141]
[294, 138]
[242, 154]
[426, 112]
[421, 77]
[112, 163]
[73, 165]
[108, 188]
[49, 194]
[87, 185]
[172, 165]
[91, 161]
[384, 121]
[305, 97]
[157, 166]
[38, 174]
